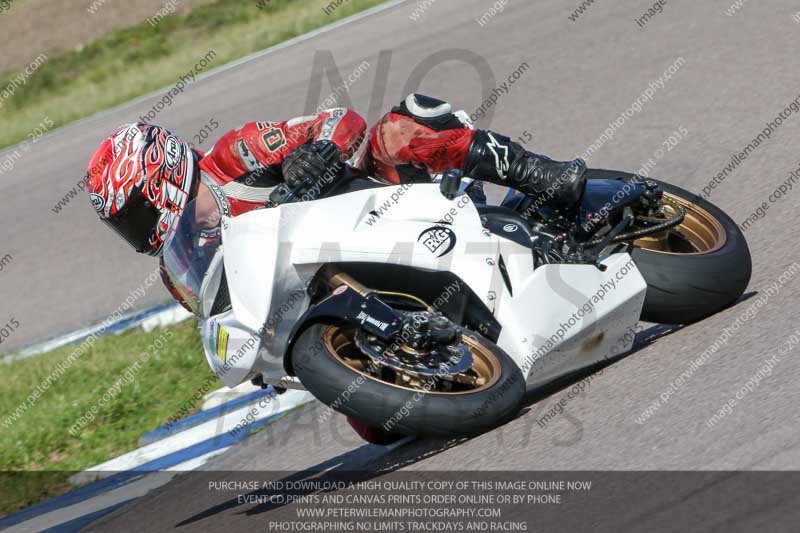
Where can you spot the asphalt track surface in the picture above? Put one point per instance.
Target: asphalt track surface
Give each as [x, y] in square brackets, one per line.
[738, 74]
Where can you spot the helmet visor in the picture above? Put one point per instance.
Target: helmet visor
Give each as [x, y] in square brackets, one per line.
[136, 223]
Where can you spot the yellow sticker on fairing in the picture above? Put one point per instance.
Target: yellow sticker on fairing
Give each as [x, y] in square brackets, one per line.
[222, 343]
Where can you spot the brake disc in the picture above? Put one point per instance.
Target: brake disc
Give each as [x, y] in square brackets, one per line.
[436, 362]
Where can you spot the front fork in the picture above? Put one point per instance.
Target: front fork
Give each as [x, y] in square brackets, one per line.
[352, 302]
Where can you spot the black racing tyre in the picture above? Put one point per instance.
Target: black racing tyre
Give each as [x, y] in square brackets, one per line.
[321, 358]
[695, 269]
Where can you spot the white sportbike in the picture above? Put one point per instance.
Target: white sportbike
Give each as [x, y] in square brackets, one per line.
[418, 312]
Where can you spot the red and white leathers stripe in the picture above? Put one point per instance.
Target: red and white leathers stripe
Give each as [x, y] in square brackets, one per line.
[245, 162]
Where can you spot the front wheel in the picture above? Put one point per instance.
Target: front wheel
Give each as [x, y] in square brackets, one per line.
[329, 362]
[694, 269]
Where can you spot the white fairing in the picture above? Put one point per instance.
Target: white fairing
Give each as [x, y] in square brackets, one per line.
[556, 319]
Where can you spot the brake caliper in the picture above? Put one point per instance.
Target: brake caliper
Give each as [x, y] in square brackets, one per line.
[429, 344]
[650, 200]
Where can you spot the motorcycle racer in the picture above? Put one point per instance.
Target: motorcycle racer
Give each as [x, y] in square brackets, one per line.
[142, 175]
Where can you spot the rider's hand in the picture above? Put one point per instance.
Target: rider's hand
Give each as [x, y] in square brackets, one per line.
[312, 163]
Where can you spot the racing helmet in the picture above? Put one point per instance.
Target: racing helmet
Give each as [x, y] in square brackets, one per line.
[139, 180]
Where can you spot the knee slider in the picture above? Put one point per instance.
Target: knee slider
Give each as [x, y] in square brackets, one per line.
[428, 111]
[426, 106]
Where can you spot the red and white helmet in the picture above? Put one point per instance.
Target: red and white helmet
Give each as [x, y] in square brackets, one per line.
[139, 181]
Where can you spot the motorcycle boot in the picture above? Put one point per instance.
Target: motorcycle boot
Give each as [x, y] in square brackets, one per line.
[495, 158]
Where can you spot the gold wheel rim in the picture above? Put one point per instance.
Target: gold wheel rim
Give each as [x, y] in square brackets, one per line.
[699, 233]
[339, 343]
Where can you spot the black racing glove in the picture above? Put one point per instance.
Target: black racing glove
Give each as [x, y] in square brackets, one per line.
[312, 163]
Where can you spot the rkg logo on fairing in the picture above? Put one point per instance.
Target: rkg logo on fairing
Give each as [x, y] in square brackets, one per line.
[436, 238]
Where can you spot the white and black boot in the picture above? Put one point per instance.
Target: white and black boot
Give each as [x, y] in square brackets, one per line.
[495, 158]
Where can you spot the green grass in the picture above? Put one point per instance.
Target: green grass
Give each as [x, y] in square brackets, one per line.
[40, 441]
[133, 61]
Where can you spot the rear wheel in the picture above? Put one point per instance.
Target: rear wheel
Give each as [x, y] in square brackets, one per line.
[695, 269]
[395, 400]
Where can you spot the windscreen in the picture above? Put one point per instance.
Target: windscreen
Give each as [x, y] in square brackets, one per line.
[191, 248]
